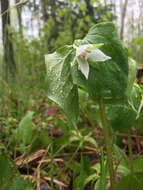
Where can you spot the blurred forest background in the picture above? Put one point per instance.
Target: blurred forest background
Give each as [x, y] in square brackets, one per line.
[29, 29]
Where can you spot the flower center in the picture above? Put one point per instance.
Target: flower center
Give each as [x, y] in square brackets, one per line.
[85, 54]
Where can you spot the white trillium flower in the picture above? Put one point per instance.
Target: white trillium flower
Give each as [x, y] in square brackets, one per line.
[84, 52]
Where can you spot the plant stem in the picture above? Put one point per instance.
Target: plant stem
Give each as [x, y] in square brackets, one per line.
[108, 144]
[131, 161]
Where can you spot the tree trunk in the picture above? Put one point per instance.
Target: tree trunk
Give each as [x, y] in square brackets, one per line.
[9, 63]
[140, 21]
[19, 10]
[54, 29]
[45, 18]
[124, 8]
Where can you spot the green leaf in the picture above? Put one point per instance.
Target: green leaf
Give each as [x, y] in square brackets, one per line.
[125, 182]
[101, 176]
[138, 164]
[25, 131]
[60, 87]
[103, 169]
[91, 178]
[43, 139]
[124, 171]
[121, 156]
[90, 140]
[111, 80]
[84, 172]
[9, 176]
[132, 66]
[136, 97]
[19, 184]
[122, 117]
[7, 170]
[97, 185]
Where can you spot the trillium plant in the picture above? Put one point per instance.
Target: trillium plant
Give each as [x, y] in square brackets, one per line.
[99, 65]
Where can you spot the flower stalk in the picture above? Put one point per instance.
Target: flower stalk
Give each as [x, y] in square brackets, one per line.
[131, 161]
[107, 143]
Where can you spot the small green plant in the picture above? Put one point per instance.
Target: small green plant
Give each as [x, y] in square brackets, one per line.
[98, 64]
[10, 177]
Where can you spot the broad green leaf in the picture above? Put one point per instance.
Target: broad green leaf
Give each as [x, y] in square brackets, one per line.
[25, 131]
[9, 176]
[122, 117]
[111, 80]
[60, 87]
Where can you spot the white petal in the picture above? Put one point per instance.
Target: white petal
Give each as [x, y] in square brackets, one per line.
[139, 110]
[98, 55]
[83, 66]
[81, 49]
